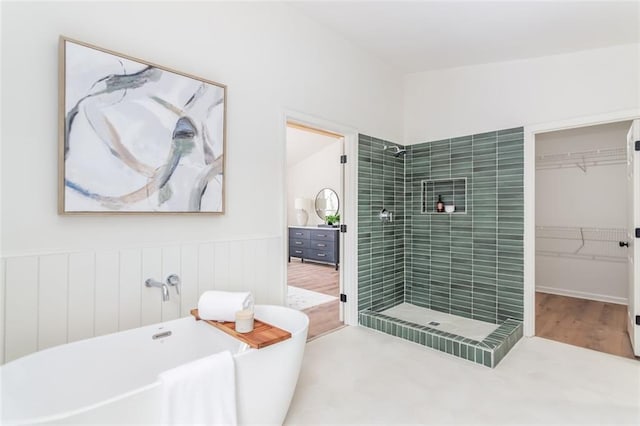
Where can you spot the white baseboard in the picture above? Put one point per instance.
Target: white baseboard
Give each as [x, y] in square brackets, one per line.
[582, 295]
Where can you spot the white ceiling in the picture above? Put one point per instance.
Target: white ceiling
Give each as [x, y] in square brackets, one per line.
[302, 144]
[424, 35]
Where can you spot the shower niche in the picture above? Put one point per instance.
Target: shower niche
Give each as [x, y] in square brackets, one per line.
[452, 191]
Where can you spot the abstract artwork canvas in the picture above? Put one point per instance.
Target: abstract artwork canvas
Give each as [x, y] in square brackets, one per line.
[137, 137]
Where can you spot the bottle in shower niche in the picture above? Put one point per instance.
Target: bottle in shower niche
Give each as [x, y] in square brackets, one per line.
[440, 205]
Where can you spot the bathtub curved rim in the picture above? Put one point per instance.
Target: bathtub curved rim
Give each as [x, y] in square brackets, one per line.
[304, 325]
[300, 319]
[20, 414]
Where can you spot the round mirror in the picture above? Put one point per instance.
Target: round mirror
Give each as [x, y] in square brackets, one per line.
[327, 203]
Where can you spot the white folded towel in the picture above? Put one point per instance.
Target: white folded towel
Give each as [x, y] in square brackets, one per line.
[223, 305]
[200, 392]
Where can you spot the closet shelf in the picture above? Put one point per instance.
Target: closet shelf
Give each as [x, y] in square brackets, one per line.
[581, 243]
[582, 159]
[581, 233]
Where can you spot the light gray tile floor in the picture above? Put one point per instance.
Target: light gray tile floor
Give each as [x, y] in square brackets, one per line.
[360, 376]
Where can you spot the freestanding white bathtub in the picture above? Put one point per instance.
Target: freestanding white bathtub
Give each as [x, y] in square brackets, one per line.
[113, 379]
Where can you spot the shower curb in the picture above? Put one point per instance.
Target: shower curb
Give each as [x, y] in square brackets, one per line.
[488, 352]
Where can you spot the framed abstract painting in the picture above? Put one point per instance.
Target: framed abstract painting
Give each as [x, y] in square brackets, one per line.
[136, 137]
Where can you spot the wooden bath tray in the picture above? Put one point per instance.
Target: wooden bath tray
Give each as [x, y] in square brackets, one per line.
[263, 334]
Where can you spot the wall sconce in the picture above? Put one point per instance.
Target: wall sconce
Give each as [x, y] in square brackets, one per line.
[301, 205]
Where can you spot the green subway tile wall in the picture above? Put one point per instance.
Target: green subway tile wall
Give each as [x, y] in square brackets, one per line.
[381, 248]
[468, 264]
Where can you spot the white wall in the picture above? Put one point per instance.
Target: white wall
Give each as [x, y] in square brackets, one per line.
[467, 100]
[569, 197]
[307, 177]
[270, 57]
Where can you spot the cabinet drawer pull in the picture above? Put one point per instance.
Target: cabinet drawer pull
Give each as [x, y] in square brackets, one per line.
[298, 242]
[321, 255]
[298, 251]
[321, 235]
[298, 233]
[322, 245]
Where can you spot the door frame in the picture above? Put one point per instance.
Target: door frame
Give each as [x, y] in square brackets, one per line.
[530, 133]
[348, 241]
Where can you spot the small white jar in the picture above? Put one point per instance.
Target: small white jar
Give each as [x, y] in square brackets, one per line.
[244, 321]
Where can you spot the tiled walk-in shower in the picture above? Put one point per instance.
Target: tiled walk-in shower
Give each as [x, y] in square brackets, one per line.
[452, 281]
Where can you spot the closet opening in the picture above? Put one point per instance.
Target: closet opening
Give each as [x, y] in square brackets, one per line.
[581, 237]
[315, 204]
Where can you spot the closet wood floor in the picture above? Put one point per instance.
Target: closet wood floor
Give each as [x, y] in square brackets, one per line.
[586, 323]
[323, 279]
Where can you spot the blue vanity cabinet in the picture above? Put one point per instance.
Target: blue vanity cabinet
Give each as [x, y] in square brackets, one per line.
[317, 244]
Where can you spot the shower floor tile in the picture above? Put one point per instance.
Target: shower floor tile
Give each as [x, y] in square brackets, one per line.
[469, 328]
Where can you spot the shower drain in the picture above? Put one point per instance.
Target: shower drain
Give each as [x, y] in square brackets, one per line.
[434, 323]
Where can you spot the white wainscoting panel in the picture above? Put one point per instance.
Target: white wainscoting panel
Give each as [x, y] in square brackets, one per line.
[189, 292]
[51, 299]
[275, 271]
[81, 308]
[248, 269]
[221, 266]
[206, 267]
[151, 302]
[130, 293]
[235, 274]
[21, 304]
[2, 303]
[254, 269]
[107, 293]
[53, 295]
[171, 261]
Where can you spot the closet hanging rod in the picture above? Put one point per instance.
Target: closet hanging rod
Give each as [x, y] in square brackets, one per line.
[581, 233]
[582, 159]
[579, 238]
[596, 154]
[601, 258]
[581, 165]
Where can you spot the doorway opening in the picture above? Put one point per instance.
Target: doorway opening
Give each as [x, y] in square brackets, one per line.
[315, 200]
[581, 237]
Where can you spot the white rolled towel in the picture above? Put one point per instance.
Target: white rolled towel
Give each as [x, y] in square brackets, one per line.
[223, 305]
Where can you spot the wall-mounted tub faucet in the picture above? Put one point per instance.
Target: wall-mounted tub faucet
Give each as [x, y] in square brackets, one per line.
[173, 280]
[150, 282]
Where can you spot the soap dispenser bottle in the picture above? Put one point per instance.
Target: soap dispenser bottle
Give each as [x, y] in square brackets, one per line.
[440, 205]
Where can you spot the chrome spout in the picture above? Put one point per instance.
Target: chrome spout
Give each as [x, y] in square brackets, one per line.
[150, 282]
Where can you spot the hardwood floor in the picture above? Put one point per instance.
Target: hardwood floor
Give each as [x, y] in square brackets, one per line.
[586, 323]
[323, 279]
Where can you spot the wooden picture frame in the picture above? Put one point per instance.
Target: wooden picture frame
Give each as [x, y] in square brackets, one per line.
[136, 137]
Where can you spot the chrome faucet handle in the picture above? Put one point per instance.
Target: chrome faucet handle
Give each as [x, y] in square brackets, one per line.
[174, 281]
